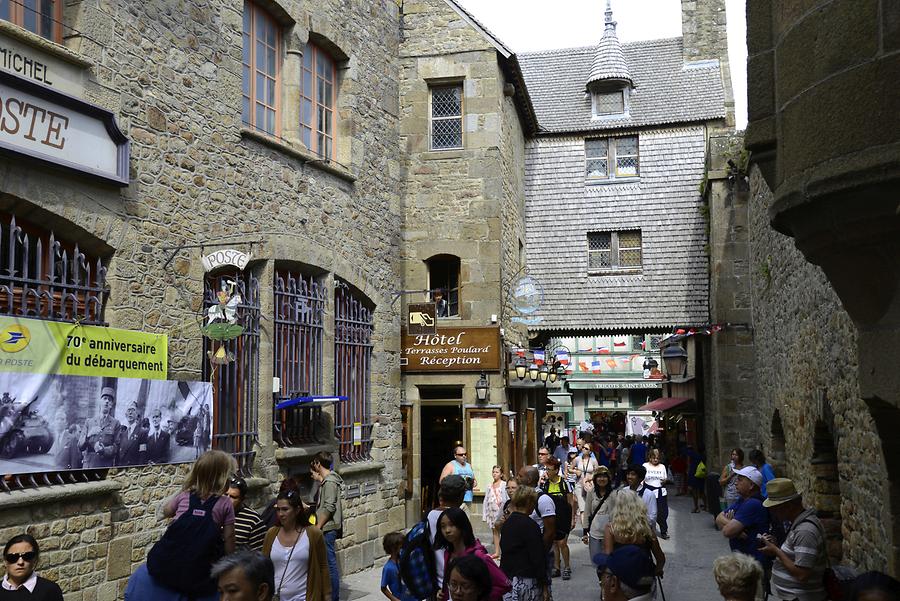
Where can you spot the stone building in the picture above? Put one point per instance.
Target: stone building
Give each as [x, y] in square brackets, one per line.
[289, 151]
[823, 135]
[465, 114]
[615, 224]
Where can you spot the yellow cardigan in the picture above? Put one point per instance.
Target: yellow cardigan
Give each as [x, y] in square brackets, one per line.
[318, 581]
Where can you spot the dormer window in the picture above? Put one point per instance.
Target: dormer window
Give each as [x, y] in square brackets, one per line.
[610, 104]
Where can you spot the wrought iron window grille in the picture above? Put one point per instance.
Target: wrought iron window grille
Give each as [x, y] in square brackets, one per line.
[354, 327]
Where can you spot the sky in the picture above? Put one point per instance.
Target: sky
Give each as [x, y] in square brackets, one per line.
[530, 25]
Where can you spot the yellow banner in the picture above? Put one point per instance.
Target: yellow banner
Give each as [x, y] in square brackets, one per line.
[51, 347]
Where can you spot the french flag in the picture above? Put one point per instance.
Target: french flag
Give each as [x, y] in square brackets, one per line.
[520, 352]
[539, 357]
[563, 357]
[603, 349]
[595, 365]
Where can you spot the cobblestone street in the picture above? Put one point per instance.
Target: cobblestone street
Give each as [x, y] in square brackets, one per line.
[690, 551]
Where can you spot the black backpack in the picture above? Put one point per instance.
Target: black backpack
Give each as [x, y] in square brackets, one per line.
[183, 557]
[417, 565]
[563, 511]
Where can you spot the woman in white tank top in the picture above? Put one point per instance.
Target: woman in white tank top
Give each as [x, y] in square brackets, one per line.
[655, 480]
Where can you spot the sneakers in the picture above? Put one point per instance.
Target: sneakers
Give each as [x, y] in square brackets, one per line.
[567, 573]
[555, 573]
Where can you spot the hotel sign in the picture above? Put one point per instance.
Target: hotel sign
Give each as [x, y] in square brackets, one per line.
[452, 350]
[55, 128]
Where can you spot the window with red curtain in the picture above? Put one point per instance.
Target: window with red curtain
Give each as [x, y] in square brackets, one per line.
[261, 70]
[317, 99]
[43, 17]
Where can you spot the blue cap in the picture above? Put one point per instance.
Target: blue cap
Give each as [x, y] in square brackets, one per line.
[630, 564]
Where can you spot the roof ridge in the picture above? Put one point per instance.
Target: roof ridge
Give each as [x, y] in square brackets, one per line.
[556, 50]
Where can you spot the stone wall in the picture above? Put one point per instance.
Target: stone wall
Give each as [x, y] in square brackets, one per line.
[806, 362]
[705, 36]
[171, 72]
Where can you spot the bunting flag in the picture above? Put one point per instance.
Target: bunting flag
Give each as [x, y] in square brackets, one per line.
[619, 344]
[584, 365]
[539, 357]
[595, 365]
[585, 345]
[562, 357]
[603, 349]
[520, 352]
[611, 363]
[643, 345]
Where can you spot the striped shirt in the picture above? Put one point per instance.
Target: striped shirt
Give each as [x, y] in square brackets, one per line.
[249, 529]
[805, 546]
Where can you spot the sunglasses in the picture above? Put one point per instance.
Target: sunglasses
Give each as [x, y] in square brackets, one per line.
[237, 482]
[28, 556]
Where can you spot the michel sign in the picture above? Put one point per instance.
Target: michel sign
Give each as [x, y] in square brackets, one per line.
[452, 349]
[55, 128]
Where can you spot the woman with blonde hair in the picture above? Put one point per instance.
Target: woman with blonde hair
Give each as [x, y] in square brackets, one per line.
[628, 525]
[737, 576]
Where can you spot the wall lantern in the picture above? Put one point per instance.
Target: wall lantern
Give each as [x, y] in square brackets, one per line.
[481, 388]
[675, 359]
[521, 368]
[533, 372]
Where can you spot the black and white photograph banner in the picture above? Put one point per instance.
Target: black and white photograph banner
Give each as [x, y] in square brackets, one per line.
[52, 423]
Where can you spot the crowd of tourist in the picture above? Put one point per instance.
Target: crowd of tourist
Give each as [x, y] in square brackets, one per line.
[217, 547]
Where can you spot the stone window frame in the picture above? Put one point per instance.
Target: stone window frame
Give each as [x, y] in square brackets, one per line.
[15, 12]
[597, 246]
[432, 120]
[610, 158]
[250, 95]
[595, 102]
[313, 57]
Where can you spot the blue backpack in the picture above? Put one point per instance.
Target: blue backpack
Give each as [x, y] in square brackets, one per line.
[183, 557]
[417, 569]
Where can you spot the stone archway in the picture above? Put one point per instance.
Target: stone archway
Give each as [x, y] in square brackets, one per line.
[776, 453]
[887, 423]
[826, 486]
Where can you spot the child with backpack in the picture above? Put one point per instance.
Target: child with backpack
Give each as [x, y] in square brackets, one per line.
[391, 585]
[202, 533]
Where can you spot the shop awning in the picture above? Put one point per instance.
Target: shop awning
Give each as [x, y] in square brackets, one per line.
[597, 384]
[560, 400]
[665, 403]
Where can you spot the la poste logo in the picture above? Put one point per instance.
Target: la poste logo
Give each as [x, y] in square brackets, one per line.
[14, 338]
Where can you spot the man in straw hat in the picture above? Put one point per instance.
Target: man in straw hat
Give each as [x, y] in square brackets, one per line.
[801, 561]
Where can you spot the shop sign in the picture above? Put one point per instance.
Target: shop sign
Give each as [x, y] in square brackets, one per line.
[53, 127]
[225, 257]
[44, 68]
[452, 349]
[421, 318]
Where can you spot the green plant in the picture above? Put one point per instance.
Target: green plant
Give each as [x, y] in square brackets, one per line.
[765, 271]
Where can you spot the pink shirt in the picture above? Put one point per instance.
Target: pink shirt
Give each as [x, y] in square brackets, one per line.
[222, 513]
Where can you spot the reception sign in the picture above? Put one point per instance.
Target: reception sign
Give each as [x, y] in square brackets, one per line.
[452, 349]
[34, 346]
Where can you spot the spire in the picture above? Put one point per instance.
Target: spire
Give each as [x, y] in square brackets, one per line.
[609, 62]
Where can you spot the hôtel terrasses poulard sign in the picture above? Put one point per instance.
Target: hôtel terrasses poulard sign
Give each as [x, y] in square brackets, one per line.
[452, 349]
[40, 120]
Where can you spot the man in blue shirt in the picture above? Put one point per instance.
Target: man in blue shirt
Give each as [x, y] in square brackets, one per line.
[638, 454]
[759, 460]
[745, 520]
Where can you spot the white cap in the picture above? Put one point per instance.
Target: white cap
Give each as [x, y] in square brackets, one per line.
[752, 474]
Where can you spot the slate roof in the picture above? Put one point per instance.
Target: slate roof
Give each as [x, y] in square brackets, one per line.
[672, 287]
[609, 61]
[665, 90]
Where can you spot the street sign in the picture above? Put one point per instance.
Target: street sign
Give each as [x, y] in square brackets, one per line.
[421, 319]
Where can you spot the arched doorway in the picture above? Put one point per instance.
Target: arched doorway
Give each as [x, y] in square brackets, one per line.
[887, 423]
[826, 487]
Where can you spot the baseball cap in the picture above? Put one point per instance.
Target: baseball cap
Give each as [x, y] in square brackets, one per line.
[630, 564]
[751, 473]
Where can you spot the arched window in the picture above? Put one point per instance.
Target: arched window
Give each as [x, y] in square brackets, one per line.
[261, 70]
[443, 282]
[43, 17]
[235, 384]
[353, 329]
[317, 100]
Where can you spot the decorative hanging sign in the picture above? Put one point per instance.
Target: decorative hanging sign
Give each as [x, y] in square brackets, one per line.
[225, 258]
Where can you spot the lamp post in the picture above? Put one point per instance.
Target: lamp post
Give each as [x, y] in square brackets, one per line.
[481, 388]
[675, 359]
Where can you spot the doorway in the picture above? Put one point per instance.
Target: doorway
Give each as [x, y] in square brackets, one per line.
[441, 431]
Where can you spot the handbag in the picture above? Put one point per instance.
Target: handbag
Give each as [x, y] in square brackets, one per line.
[700, 472]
